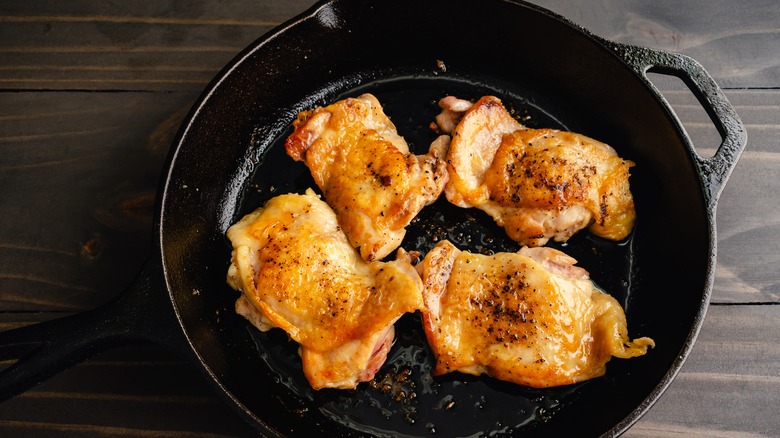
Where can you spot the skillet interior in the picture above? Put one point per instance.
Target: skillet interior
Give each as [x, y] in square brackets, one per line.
[229, 160]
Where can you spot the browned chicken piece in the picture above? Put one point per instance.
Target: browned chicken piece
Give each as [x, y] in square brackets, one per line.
[538, 184]
[531, 317]
[366, 172]
[296, 270]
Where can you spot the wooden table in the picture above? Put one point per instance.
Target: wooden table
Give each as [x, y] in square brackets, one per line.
[91, 95]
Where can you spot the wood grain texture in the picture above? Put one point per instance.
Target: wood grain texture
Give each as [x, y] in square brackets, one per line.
[730, 385]
[84, 169]
[130, 391]
[735, 41]
[165, 45]
[92, 93]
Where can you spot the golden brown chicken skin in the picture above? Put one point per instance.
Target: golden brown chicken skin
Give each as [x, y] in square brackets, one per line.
[296, 270]
[366, 172]
[539, 184]
[545, 183]
[531, 318]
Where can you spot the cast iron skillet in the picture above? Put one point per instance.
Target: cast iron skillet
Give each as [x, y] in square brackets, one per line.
[228, 160]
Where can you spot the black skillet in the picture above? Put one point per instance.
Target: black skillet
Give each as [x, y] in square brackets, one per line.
[228, 160]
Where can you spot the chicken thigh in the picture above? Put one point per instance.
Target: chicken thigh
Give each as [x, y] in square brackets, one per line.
[538, 184]
[296, 270]
[531, 317]
[366, 172]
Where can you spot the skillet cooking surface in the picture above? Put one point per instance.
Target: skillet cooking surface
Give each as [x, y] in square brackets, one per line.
[230, 160]
[404, 397]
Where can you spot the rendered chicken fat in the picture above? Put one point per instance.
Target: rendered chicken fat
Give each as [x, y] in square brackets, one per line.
[531, 318]
[296, 270]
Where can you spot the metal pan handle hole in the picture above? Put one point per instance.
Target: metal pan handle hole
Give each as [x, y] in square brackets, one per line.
[694, 118]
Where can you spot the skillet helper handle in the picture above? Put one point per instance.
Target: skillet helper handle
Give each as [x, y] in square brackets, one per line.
[715, 169]
[46, 348]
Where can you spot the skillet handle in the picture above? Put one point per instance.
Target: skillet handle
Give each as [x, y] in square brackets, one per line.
[44, 349]
[717, 168]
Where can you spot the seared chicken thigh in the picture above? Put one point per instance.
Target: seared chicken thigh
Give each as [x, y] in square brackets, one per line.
[296, 270]
[531, 317]
[366, 172]
[538, 184]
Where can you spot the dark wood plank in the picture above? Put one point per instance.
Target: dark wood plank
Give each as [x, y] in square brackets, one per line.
[730, 385]
[737, 42]
[84, 169]
[165, 45]
[130, 391]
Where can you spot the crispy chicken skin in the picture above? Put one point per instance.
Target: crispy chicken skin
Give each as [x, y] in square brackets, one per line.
[531, 317]
[366, 172]
[538, 184]
[296, 270]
